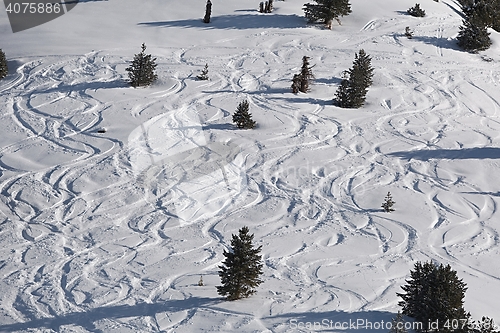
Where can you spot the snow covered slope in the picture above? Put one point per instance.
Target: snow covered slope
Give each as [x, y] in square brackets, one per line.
[110, 232]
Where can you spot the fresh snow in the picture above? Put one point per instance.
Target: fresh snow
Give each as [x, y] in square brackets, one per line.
[110, 232]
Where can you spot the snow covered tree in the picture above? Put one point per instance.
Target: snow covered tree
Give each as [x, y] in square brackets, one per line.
[4, 70]
[408, 33]
[352, 90]
[301, 81]
[204, 73]
[478, 16]
[325, 11]
[482, 12]
[342, 94]
[242, 118]
[485, 325]
[208, 12]
[141, 71]
[416, 11]
[434, 294]
[388, 203]
[296, 83]
[472, 37]
[398, 324]
[241, 269]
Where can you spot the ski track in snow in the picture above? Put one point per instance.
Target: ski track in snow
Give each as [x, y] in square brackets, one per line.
[82, 234]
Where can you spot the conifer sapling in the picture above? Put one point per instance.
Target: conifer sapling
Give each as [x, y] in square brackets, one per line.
[4, 70]
[242, 267]
[204, 73]
[388, 203]
[208, 12]
[242, 118]
[141, 71]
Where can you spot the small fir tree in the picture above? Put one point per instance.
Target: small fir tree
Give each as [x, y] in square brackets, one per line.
[485, 325]
[398, 324]
[325, 11]
[204, 73]
[261, 7]
[242, 118]
[342, 94]
[352, 93]
[241, 269]
[473, 38]
[434, 294]
[416, 11]
[408, 33]
[4, 70]
[141, 71]
[306, 75]
[388, 203]
[208, 12]
[296, 83]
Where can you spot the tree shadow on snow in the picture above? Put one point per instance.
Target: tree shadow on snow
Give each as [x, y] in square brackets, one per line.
[451, 154]
[242, 21]
[442, 42]
[87, 319]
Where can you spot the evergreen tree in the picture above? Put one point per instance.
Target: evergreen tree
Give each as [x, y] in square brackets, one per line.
[408, 33]
[4, 70]
[261, 7]
[306, 75]
[352, 94]
[434, 294]
[478, 16]
[241, 269]
[208, 12]
[398, 324]
[342, 94]
[416, 11]
[388, 203]
[486, 325]
[141, 71]
[296, 83]
[482, 12]
[204, 73]
[242, 118]
[473, 38]
[325, 11]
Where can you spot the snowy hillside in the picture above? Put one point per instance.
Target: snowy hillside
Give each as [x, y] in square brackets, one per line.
[110, 232]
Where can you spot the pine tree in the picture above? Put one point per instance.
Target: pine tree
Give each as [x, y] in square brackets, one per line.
[342, 94]
[408, 33]
[204, 73]
[306, 75]
[352, 90]
[4, 70]
[473, 38]
[398, 324]
[241, 269]
[388, 203]
[325, 11]
[416, 11]
[261, 7]
[141, 71]
[482, 12]
[479, 15]
[296, 83]
[208, 12]
[242, 118]
[434, 294]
